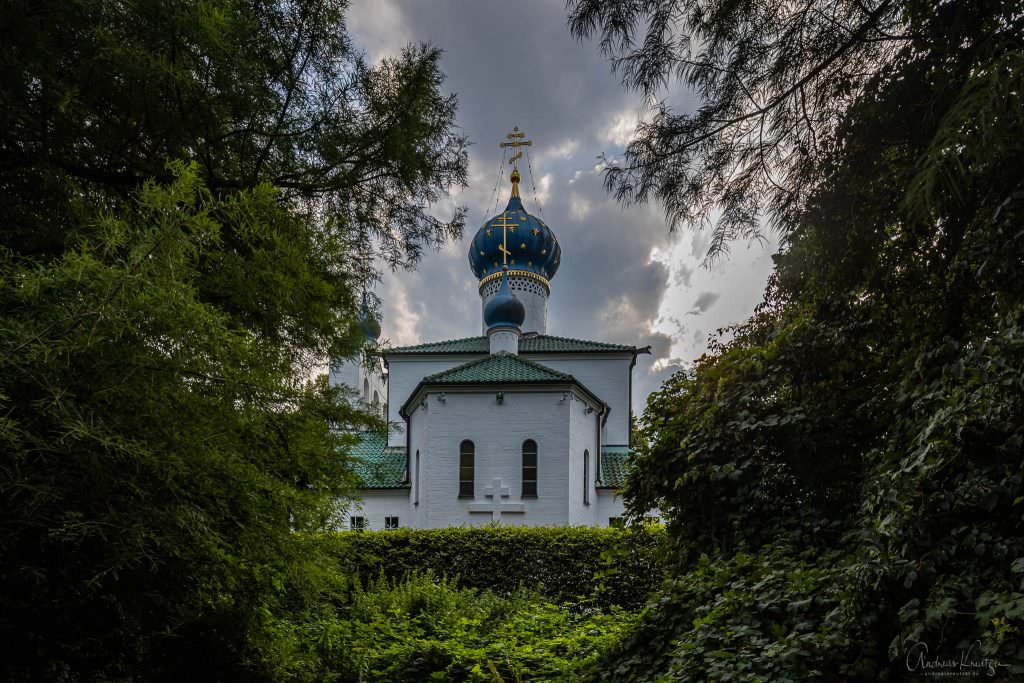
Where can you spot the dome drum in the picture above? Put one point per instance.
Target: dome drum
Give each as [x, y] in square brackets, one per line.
[518, 279]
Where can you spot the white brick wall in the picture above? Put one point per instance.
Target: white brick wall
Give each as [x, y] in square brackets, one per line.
[352, 373]
[605, 376]
[504, 339]
[498, 432]
[561, 427]
[609, 504]
[376, 505]
[557, 420]
[404, 374]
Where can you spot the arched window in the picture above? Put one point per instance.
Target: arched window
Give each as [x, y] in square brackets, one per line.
[366, 389]
[417, 494]
[467, 455]
[376, 397]
[529, 469]
[586, 477]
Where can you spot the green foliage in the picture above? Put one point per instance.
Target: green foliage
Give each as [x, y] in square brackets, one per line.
[160, 438]
[157, 454]
[765, 616]
[602, 567]
[423, 629]
[99, 95]
[849, 458]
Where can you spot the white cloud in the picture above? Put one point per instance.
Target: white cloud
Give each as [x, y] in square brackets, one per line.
[543, 190]
[379, 27]
[621, 129]
[564, 150]
[400, 321]
[579, 207]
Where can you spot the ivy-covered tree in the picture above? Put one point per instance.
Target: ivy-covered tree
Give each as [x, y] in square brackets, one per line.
[843, 473]
[192, 195]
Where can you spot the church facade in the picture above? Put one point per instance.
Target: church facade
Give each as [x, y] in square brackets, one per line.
[514, 426]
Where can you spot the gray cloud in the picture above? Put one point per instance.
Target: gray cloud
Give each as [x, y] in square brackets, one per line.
[705, 300]
[622, 274]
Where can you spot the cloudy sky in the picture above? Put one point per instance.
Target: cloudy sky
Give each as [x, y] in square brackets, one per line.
[623, 277]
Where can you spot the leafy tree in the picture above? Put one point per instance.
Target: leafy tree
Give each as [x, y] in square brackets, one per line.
[192, 194]
[864, 428]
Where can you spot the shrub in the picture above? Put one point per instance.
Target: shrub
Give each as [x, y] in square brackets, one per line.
[602, 567]
[423, 628]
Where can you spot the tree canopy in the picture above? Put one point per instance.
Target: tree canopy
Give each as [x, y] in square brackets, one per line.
[192, 198]
[842, 472]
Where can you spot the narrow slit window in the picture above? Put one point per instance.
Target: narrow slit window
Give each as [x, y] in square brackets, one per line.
[417, 482]
[529, 469]
[586, 477]
[467, 456]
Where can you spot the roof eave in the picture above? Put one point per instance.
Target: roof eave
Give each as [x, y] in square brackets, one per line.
[422, 387]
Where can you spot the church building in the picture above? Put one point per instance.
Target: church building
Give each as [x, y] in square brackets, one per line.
[514, 426]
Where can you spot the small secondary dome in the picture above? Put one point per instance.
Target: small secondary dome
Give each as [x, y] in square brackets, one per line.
[504, 309]
[368, 324]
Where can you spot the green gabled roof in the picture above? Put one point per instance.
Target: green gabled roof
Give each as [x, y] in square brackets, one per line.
[614, 466]
[498, 368]
[378, 465]
[544, 343]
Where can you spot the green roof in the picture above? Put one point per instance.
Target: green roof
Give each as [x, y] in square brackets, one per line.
[378, 465]
[543, 343]
[614, 466]
[498, 368]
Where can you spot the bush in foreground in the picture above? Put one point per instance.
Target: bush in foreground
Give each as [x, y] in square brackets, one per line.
[424, 628]
[601, 566]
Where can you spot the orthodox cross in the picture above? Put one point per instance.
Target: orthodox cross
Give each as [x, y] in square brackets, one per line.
[496, 505]
[517, 141]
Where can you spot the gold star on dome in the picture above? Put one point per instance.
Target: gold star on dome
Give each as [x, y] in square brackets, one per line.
[523, 245]
[535, 232]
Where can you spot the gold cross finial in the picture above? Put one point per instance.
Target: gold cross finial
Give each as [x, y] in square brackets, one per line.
[517, 141]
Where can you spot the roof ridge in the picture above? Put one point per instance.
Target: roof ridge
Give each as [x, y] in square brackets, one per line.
[463, 366]
[584, 341]
[537, 365]
[501, 355]
[433, 343]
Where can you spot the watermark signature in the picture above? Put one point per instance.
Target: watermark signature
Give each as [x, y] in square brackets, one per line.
[967, 663]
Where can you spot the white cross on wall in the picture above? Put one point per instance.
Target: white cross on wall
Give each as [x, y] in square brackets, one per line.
[496, 505]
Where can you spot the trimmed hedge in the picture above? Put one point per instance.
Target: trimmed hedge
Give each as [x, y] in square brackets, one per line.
[565, 564]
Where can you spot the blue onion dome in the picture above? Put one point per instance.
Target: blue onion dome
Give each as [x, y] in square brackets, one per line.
[368, 324]
[531, 245]
[504, 309]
